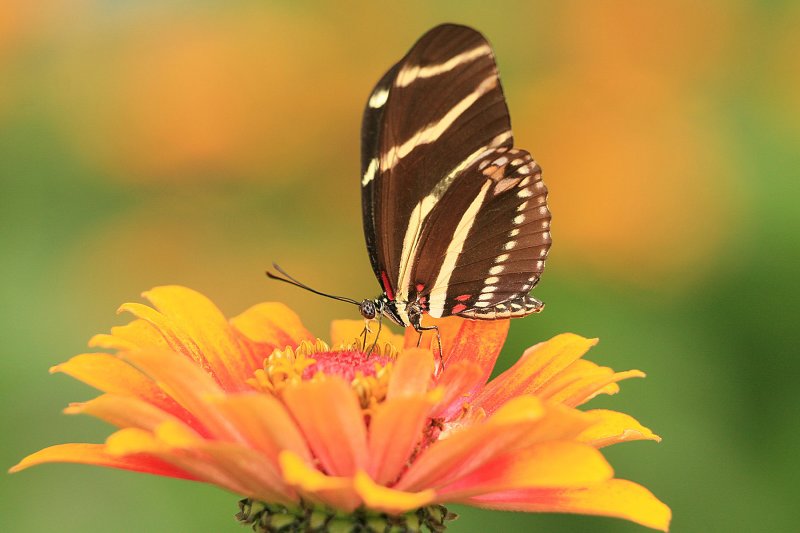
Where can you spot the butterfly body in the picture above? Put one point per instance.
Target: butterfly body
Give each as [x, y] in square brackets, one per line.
[455, 218]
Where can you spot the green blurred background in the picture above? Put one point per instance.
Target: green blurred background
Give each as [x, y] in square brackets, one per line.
[145, 143]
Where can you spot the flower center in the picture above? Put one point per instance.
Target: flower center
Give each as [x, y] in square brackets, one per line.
[367, 371]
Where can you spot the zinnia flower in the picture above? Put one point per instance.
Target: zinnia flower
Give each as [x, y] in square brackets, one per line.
[320, 437]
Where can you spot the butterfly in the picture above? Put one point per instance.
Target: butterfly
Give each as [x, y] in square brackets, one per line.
[455, 218]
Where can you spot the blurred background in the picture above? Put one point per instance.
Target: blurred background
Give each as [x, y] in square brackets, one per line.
[146, 143]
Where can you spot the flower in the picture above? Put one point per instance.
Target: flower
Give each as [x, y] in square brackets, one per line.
[313, 435]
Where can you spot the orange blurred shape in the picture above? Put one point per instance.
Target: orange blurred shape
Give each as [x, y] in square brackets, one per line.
[642, 188]
[221, 93]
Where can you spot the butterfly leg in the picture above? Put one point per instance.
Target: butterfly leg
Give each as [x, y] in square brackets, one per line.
[377, 335]
[421, 329]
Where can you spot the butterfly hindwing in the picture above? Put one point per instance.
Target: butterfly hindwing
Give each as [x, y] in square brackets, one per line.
[487, 240]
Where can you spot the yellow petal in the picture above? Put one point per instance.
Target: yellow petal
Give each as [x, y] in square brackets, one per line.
[613, 427]
[388, 500]
[411, 374]
[122, 411]
[331, 420]
[337, 492]
[538, 365]
[138, 334]
[130, 441]
[548, 464]
[113, 375]
[271, 323]
[616, 497]
[194, 326]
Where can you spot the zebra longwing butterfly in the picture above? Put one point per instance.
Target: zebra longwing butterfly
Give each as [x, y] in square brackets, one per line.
[455, 219]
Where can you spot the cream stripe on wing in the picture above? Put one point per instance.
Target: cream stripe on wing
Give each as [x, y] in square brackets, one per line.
[423, 208]
[437, 298]
[410, 73]
[434, 130]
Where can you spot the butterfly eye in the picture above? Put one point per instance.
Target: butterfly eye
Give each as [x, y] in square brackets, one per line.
[367, 309]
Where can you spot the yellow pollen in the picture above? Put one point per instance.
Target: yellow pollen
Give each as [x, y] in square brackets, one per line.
[290, 366]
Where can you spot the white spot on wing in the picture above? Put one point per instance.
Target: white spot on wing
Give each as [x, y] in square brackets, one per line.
[496, 270]
[370, 172]
[510, 245]
[378, 98]
[502, 257]
[519, 219]
[491, 280]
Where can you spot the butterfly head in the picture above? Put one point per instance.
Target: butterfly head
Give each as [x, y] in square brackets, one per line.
[369, 309]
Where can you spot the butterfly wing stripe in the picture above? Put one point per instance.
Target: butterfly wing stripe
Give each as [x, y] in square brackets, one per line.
[434, 130]
[437, 301]
[410, 73]
[423, 209]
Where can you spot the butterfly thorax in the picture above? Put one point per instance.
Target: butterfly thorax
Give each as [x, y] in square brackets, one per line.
[401, 313]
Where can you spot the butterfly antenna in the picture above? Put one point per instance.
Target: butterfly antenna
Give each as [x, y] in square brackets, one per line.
[287, 278]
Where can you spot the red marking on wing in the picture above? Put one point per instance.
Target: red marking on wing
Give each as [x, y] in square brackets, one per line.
[458, 308]
[420, 286]
[463, 297]
[387, 287]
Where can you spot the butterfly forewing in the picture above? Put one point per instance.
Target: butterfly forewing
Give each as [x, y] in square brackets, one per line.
[431, 115]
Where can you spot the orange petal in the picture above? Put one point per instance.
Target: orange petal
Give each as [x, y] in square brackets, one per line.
[188, 385]
[347, 331]
[549, 464]
[195, 327]
[471, 447]
[265, 423]
[395, 429]
[391, 501]
[411, 374]
[616, 497]
[518, 425]
[449, 328]
[96, 454]
[329, 415]
[613, 427]
[230, 466]
[257, 476]
[457, 381]
[113, 375]
[479, 341]
[122, 411]
[336, 492]
[538, 365]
